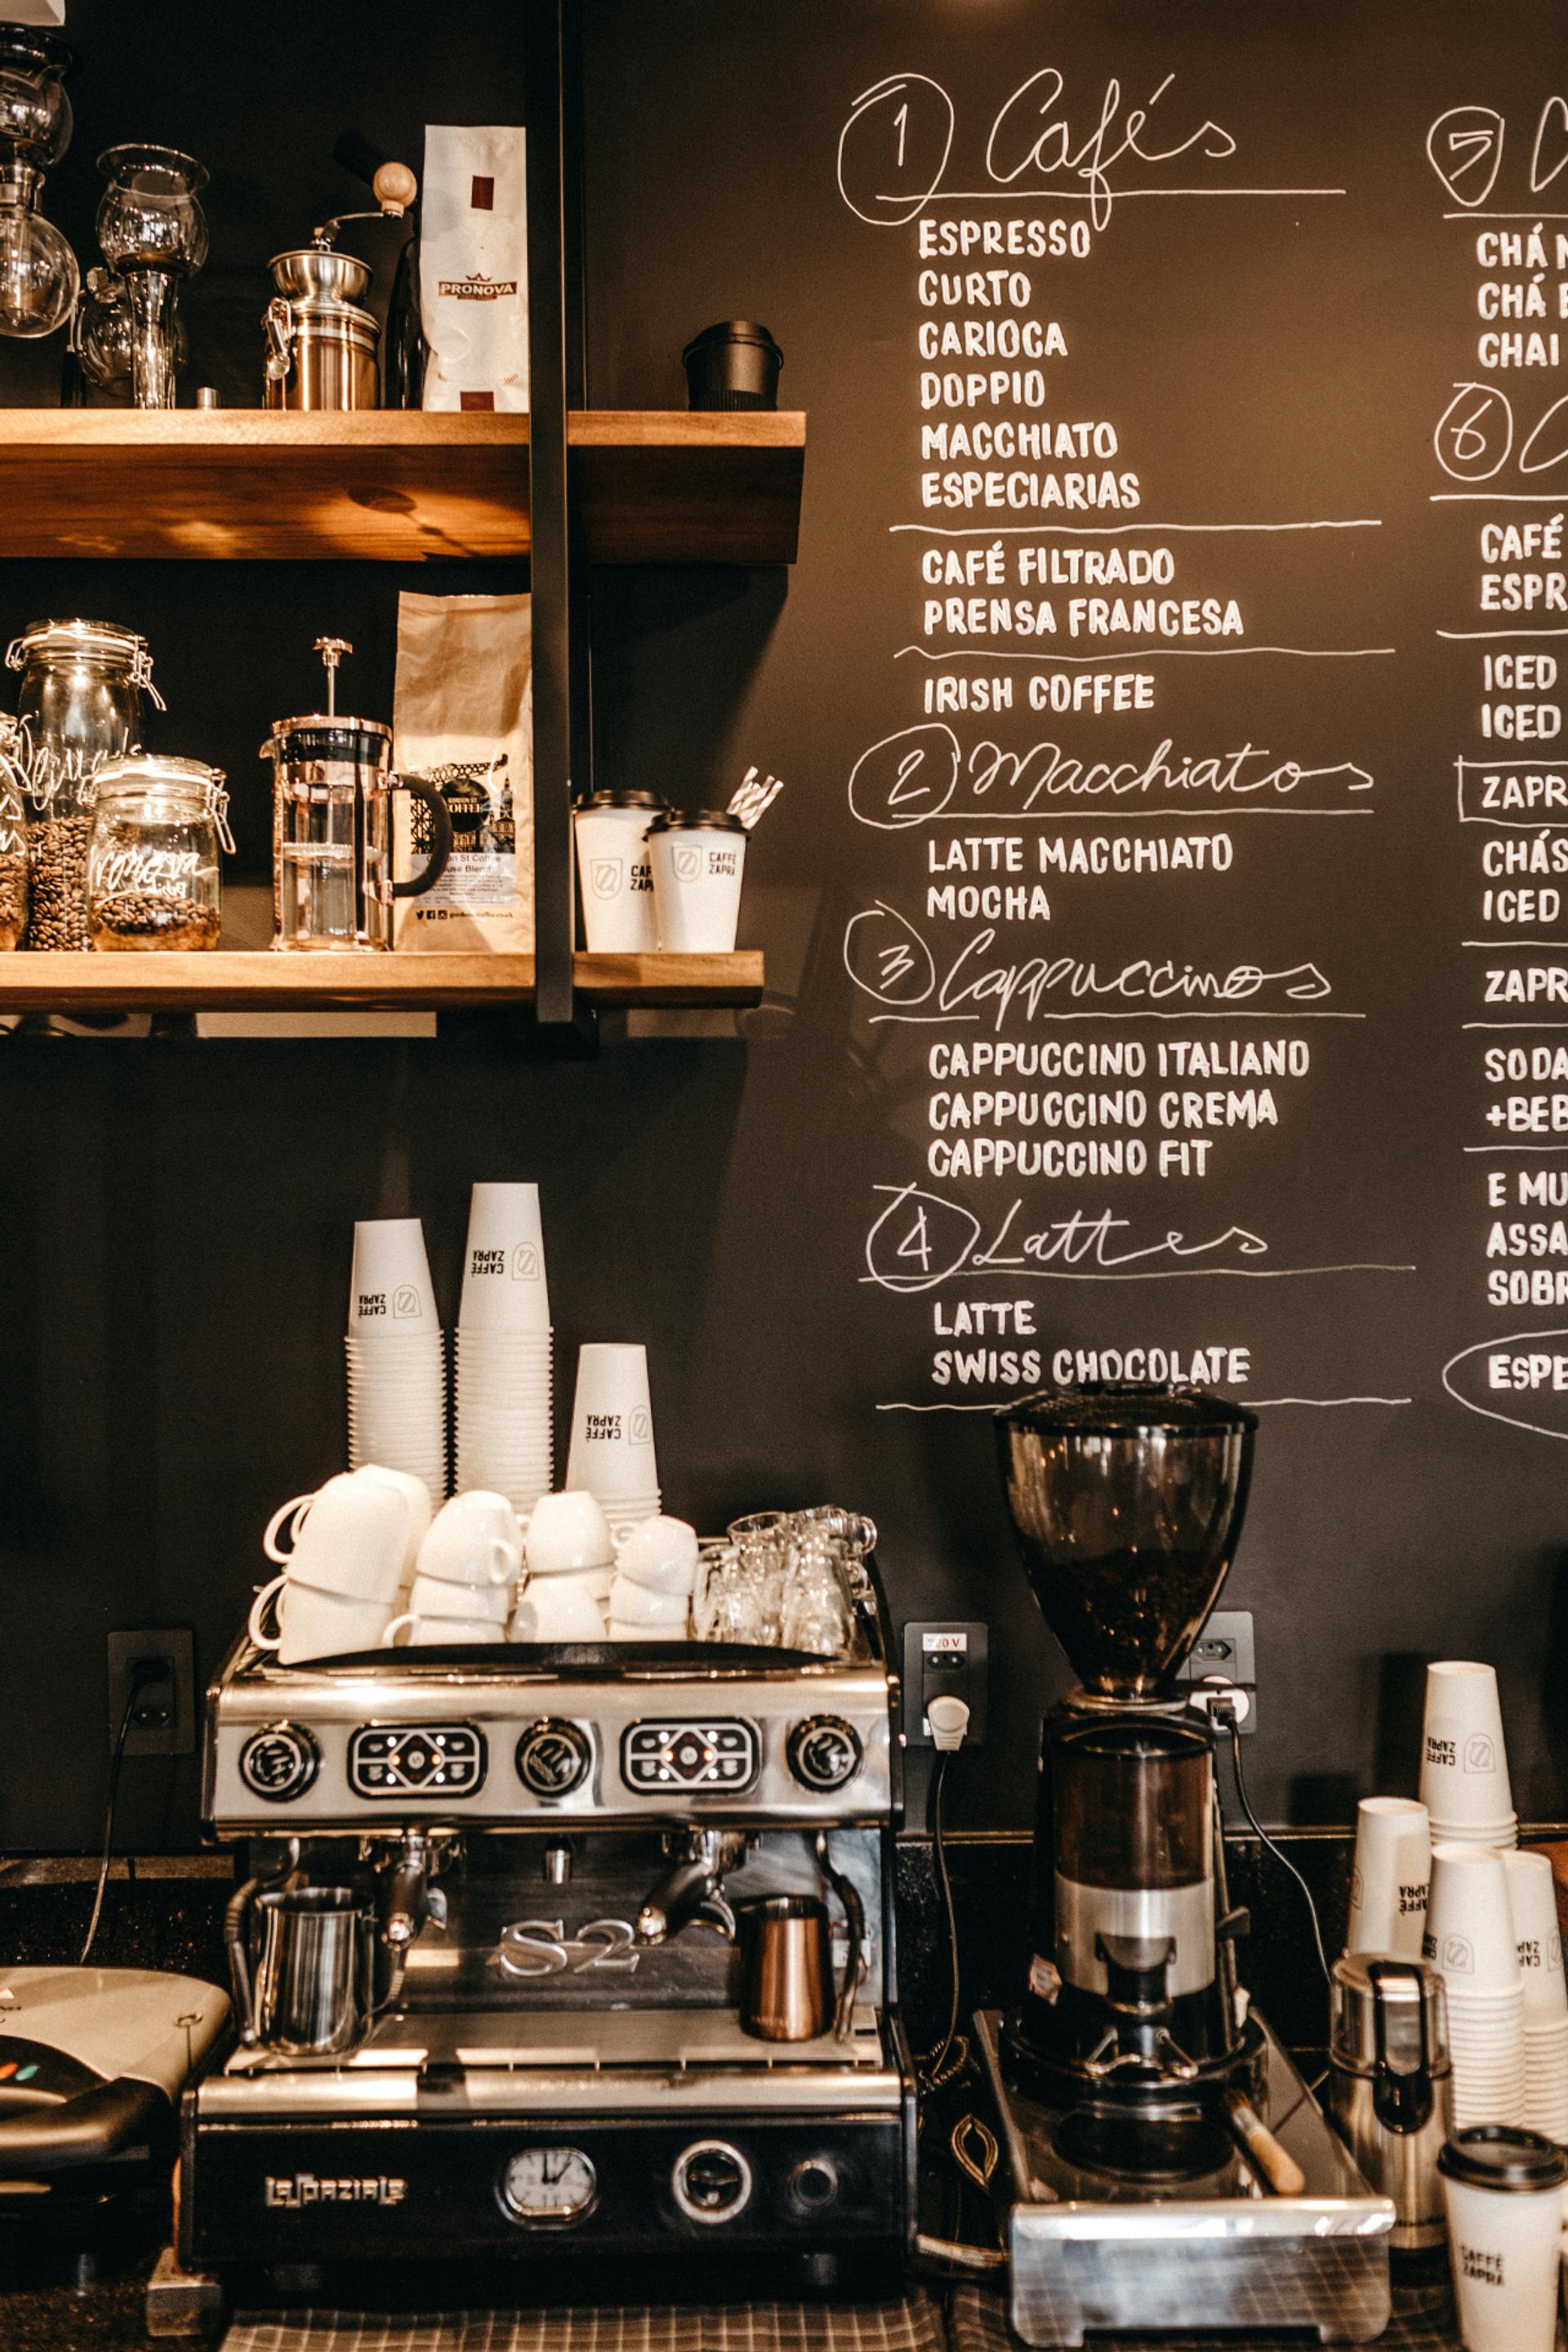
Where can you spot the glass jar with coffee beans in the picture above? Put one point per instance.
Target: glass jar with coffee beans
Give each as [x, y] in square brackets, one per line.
[79, 703]
[12, 839]
[153, 854]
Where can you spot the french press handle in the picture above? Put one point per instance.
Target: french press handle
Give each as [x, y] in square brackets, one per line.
[1402, 2097]
[441, 829]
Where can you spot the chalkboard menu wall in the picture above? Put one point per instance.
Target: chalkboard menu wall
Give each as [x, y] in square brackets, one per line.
[1165, 915]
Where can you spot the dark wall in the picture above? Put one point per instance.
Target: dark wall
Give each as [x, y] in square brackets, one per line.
[174, 1216]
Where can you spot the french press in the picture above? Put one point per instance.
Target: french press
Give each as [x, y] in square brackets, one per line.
[331, 825]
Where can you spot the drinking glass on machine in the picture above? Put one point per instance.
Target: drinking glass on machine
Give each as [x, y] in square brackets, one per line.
[1389, 1880]
[612, 1452]
[1533, 1904]
[1503, 2191]
[505, 1354]
[1470, 1941]
[396, 1368]
[1464, 1761]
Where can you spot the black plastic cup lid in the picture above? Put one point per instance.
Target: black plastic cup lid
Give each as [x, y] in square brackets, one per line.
[697, 821]
[733, 330]
[606, 798]
[1122, 1408]
[1513, 2162]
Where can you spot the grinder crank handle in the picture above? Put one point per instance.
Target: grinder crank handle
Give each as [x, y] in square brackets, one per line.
[1274, 2165]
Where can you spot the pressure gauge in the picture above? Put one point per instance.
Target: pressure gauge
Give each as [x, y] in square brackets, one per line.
[549, 2184]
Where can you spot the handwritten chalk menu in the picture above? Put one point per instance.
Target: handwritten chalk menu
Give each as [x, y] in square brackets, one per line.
[1171, 696]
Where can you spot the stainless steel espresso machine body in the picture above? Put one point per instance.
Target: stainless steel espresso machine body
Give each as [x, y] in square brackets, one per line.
[559, 1916]
[1165, 2166]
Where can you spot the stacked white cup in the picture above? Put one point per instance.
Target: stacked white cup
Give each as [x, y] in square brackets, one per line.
[1533, 1900]
[656, 1569]
[466, 1574]
[612, 1453]
[1463, 1762]
[571, 1557]
[1389, 1880]
[343, 1566]
[504, 1349]
[396, 1366]
[1470, 1941]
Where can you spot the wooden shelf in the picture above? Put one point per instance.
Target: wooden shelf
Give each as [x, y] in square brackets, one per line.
[261, 982]
[649, 485]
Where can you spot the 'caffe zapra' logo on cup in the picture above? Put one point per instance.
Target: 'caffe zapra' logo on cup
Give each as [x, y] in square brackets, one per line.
[603, 1428]
[688, 865]
[525, 1263]
[406, 1304]
[1440, 1751]
[1476, 2264]
[604, 877]
[641, 1431]
[1481, 1753]
[1458, 1957]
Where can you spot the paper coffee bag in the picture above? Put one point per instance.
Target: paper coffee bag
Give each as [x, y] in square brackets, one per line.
[473, 266]
[463, 721]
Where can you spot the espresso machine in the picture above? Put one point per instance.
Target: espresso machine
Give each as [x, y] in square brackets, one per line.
[1163, 2165]
[550, 1951]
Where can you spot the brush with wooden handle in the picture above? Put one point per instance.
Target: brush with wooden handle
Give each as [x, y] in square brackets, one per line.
[1275, 2166]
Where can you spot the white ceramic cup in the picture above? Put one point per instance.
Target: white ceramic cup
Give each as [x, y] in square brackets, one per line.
[1470, 1934]
[1389, 1880]
[1504, 2245]
[696, 877]
[430, 1596]
[1464, 1761]
[426, 1632]
[634, 1604]
[312, 1623]
[615, 875]
[504, 1286]
[558, 1609]
[414, 1492]
[350, 1537]
[567, 1535]
[612, 1451]
[659, 1553]
[474, 1539]
[390, 1288]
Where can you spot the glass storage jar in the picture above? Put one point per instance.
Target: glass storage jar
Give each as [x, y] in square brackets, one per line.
[79, 704]
[12, 839]
[152, 856]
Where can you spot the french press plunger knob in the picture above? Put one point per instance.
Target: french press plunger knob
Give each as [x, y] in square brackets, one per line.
[332, 650]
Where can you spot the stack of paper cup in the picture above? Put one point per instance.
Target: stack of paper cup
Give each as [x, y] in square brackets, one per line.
[504, 1350]
[1533, 1904]
[611, 1433]
[1388, 1883]
[1470, 1941]
[396, 1367]
[1464, 1763]
[650, 1600]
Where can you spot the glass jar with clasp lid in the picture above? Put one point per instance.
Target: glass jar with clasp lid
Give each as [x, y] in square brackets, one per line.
[13, 840]
[152, 856]
[79, 704]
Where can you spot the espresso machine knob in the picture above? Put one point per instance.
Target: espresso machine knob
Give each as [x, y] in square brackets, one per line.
[279, 1763]
[712, 2182]
[553, 1757]
[824, 1752]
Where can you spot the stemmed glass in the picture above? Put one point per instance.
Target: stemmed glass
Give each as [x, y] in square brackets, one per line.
[38, 275]
[153, 234]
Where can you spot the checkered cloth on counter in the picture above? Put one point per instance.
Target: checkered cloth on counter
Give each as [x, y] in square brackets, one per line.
[977, 2321]
[912, 2323]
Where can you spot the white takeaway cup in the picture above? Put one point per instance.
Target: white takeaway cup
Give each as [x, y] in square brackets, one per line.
[1469, 1935]
[698, 859]
[312, 1623]
[1389, 1879]
[474, 1539]
[634, 1605]
[349, 1537]
[428, 1633]
[1502, 2192]
[612, 1451]
[659, 1553]
[568, 1535]
[1464, 1760]
[1532, 1906]
[504, 1286]
[390, 1288]
[615, 875]
[558, 1609]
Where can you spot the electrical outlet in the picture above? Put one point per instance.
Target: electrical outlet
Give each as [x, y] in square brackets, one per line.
[948, 1658]
[164, 1714]
[1224, 1653]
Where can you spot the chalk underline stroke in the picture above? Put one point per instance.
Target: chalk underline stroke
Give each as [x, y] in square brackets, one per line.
[1153, 653]
[1175, 1273]
[1110, 529]
[1495, 499]
[1119, 196]
[925, 1019]
[1258, 1403]
[1460, 634]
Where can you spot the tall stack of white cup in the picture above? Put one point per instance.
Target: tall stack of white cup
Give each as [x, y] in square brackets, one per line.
[1470, 1941]
[1463, 1762]
[1389, 1880]
[612, 1451]
[1532, 1900]
[505, 1354]
[396, 1364]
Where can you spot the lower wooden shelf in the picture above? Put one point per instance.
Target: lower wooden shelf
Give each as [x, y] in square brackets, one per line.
[259, 981]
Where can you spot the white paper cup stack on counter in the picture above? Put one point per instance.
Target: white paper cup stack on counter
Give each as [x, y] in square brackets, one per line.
[1389, 1880]
[344, 1551]
[570, 1557]
[396, 1365]
[1532, 1904]
[650, 1600]
[1470, 1941]
[467, 1575]
[612, 1453]
[1463, 1762]
[504, 1349]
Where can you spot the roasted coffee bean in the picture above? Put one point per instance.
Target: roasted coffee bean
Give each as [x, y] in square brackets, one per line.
[58, 861]
[151, 918]
[13, 897]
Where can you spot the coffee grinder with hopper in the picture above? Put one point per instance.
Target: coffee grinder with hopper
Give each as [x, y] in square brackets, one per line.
[1164, 2164]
